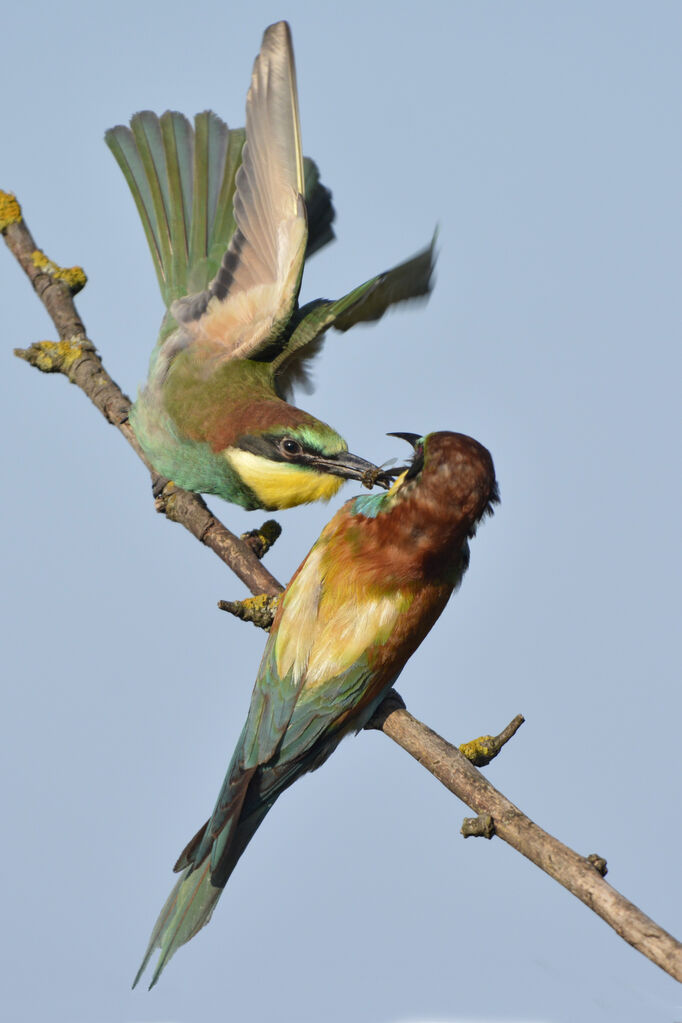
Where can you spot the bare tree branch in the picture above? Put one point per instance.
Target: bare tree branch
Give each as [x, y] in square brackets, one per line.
[580, 875]
[75, 356]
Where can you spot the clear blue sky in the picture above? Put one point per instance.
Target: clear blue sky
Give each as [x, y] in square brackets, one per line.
[544, 140]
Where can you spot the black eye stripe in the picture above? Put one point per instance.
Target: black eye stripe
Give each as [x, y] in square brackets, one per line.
[273, 447]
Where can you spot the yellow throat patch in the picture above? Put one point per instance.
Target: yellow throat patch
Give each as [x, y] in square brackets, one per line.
[397, 483]
[281, 484]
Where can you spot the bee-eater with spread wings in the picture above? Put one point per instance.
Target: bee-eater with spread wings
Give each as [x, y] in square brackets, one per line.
[229, 218]
[358, 607]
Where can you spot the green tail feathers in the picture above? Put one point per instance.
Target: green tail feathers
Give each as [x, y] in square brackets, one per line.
[187, 909]
[206, 863]
[182, 178]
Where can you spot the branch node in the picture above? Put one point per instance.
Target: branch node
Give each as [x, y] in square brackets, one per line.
[482, 826]
[56, 356]
[484, 749]
[599, 863]
[10, 210]
[74, 276]
[261, 540]
[260, 610]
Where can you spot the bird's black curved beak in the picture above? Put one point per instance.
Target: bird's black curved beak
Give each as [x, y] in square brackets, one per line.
[351, 467]
[411, 438]
[417, 463]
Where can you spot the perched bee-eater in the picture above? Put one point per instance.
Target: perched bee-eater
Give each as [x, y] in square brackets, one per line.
[358, 607]
[229, 218]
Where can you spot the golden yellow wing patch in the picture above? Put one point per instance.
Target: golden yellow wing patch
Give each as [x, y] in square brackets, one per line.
[321, 636]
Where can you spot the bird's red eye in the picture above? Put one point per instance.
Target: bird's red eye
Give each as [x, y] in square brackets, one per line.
[291, 447]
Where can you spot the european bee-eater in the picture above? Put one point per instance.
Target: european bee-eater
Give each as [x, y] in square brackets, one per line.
[229, 218]
[358, 607]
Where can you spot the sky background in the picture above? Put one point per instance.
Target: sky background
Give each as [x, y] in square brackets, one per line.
[544, 140]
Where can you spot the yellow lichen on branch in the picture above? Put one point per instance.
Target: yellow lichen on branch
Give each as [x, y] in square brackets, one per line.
[481, 751]
[73, 276]
[478, 751]
[54, 356]
[10, 210]
[259, 609]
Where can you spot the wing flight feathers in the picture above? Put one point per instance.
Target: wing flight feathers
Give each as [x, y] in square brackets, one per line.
[257, 284]
[409, 280]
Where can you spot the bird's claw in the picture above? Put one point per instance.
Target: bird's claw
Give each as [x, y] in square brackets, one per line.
[159, 484]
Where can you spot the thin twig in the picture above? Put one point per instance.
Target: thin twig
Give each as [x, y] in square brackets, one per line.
[76, 357]
[481, 751]
[259, 610]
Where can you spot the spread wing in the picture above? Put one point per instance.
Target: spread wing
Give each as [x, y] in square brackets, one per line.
[409, 280]
[254, 292]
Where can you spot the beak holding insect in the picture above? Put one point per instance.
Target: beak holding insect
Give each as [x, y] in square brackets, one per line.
[351, 467]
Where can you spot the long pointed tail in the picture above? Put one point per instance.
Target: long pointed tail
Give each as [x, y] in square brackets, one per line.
[182, 179]
[186, 910]
[206, 862]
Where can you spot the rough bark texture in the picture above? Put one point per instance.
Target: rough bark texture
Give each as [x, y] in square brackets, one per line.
[76, 357]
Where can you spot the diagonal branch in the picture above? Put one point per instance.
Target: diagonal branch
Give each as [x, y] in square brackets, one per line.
[580, 875]
[76, 357]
